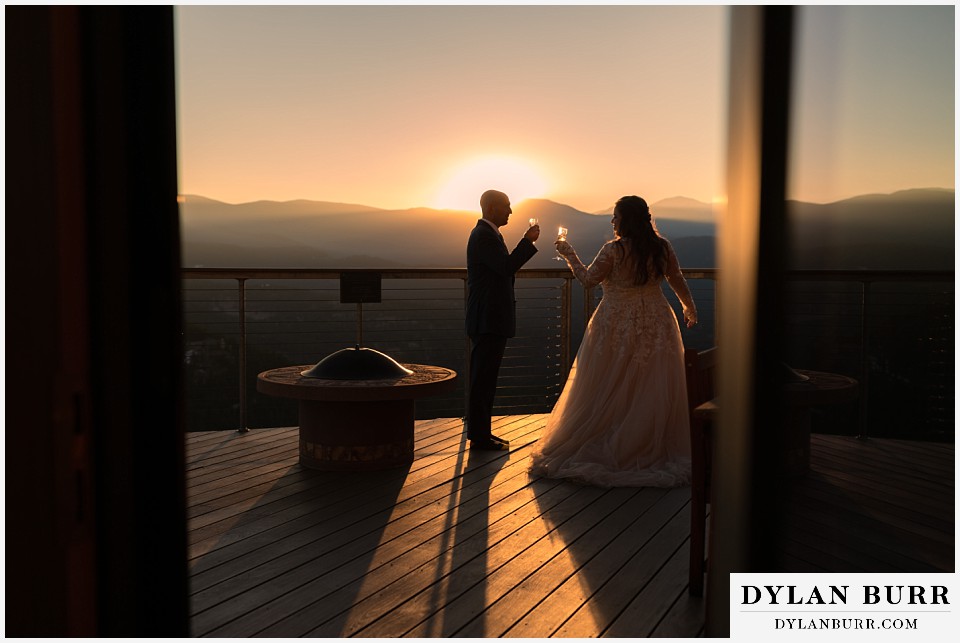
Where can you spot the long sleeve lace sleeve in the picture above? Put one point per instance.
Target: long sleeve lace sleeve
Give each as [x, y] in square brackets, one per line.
[592, 275]
[679, 285]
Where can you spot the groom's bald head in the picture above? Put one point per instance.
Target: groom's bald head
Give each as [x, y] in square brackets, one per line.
[492, 198]
[495, 206]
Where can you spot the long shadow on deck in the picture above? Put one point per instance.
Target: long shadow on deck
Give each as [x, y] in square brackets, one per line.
[623, 571]
[467, 561]
[460, 544]
[452, 538]
[280, 547]
[450, 587]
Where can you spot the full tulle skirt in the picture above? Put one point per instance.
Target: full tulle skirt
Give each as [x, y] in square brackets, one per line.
[622, 417]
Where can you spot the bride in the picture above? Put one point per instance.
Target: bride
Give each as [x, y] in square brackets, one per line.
[622, 419]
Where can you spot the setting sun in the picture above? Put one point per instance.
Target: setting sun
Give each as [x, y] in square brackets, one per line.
[462, 190]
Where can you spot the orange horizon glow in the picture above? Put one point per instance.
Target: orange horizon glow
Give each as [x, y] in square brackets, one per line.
[518, 179]
[578, 104]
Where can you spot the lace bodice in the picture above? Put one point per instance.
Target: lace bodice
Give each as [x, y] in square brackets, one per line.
[636, 319]
[611, 268]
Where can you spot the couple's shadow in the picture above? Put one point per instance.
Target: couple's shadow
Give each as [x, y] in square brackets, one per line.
[461, 583]
[562, 558]
[482, 495]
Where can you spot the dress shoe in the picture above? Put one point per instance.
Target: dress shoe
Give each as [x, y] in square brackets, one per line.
[493, 438]
[488, 445]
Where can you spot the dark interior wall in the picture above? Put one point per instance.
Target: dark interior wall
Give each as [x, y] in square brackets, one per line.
[746, 505]
[35, 550]
[130, 121]
[96, 524]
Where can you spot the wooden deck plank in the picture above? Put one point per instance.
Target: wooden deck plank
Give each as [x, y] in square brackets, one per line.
[918, 518]
[872, 506]
[599, 560]
[923, 451]
[913, 476]
[266, 453]
[843, 487]
[241, 479]
[390, 560]
[931, 468]
[496, 570]
[598, 614]
[260, 451]
[196, 438]
[360, 482]
[935, 459]
[911, 481]
[413, 570]
[473, 586]
[467, 543]
[873, 534]
[684, 619]
[647, 608]
[465, 557]
[811, 556]
[364, 488]
[828, 543]
[237, 447]
[289, 556]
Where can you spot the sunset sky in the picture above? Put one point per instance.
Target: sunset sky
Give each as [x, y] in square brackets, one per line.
[405, 106]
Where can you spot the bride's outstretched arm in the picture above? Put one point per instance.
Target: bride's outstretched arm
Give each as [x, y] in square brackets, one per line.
[590, 275]
[679, 285]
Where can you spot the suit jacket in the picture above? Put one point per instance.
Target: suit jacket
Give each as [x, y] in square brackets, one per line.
[491, 270]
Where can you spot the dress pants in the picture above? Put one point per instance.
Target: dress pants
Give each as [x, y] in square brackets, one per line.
[485, 358]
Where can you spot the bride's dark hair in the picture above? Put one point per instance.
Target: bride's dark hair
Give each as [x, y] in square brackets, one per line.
[637, 231]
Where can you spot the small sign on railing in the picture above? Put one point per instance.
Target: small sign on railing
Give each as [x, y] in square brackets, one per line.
[360, 287]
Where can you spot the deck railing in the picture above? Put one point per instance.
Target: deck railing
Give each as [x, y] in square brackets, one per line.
[893, 331]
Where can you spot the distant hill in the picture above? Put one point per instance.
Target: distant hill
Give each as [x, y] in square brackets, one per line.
[910, 229]
[678, 208]
[286, 209]
[906, 230]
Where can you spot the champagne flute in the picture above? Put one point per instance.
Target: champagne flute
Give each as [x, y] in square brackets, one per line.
[561, 236]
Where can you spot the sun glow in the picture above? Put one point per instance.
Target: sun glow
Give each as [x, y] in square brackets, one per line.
[518, 179]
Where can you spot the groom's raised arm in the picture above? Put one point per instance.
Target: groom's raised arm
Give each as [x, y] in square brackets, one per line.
[492, 254]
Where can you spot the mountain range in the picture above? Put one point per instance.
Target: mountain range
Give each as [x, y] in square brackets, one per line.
[911, 229]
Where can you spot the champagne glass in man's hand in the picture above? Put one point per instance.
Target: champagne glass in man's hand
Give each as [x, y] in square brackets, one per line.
[533, 232]
[561, 236]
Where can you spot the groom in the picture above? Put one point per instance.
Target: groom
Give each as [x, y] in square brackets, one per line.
[491, 310]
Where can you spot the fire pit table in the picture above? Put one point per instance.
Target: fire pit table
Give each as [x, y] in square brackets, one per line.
[804, 390]
[356, 424]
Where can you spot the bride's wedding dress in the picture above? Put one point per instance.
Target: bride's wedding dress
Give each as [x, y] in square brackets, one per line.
[622, 419]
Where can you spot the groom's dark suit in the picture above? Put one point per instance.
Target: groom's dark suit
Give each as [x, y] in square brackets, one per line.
[491, 316]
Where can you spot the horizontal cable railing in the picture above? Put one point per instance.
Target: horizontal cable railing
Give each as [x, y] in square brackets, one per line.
[240, 322]
[273, 318]
[891, 330]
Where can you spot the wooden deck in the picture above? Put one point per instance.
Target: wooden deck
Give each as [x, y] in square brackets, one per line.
[468, 544]
[872, 506]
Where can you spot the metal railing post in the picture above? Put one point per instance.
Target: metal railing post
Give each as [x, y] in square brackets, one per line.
[565, 323]
[468, 346]
[243, 355]
[864, 366]
[359, 325]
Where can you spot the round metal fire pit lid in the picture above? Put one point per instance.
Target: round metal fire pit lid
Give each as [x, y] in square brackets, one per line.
[357, 364]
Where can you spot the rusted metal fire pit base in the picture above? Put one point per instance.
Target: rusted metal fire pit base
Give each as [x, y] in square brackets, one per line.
[356, 425]
[356, 435]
